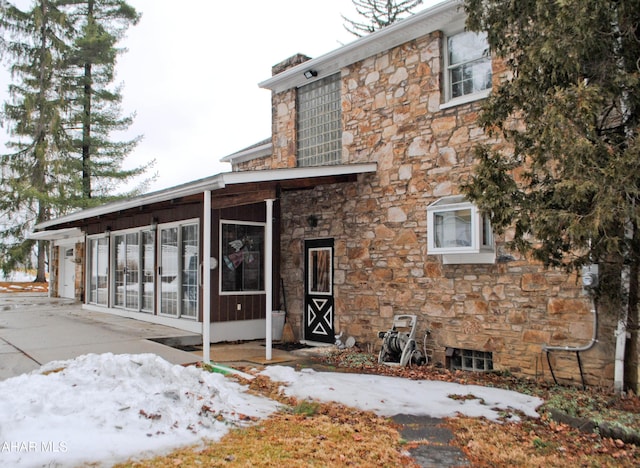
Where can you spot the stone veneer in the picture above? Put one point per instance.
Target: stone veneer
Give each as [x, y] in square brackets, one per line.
[391, 115]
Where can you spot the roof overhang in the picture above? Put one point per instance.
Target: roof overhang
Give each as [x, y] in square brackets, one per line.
[58, 234]
[447, 16]
[290, 178]
[260, 150]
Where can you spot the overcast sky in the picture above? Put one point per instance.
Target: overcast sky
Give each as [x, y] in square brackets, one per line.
[192, 70]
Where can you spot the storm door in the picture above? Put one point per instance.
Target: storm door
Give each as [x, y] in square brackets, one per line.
[127, 270]
[178, 273]
[318, 298]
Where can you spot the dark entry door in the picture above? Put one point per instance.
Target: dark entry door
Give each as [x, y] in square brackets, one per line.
[318, 298]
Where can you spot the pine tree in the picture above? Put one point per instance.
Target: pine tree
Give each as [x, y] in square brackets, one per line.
[378, 14]
[61, 115]
[36, 42]
[96, 110]
[568, 191]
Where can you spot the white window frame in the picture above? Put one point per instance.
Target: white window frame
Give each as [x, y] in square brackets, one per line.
[112, 267]
[449, 100]
[180, 314]
[89, 269]
[223, 262]
[481, 246]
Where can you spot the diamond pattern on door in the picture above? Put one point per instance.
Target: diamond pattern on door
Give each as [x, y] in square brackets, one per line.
[318, 297]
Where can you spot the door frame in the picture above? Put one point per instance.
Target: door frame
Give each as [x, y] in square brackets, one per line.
[67, 272]
[319, 302]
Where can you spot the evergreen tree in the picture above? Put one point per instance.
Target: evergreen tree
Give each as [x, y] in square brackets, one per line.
[568, 189]
[378, 14]
[95, 111]
[36, 42]
[62, 112]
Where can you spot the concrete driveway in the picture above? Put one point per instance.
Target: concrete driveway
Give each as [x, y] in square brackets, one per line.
[36, 329]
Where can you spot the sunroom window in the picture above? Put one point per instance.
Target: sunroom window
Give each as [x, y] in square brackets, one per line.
[458, 231]
[319, 122]
[242, 247]
[468, 66]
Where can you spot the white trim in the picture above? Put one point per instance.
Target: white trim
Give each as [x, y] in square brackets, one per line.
[216, 182]
[206, 277]
[268, 277]
[249, 154]
[435, 18]
[59, 234]
[222, 263]
[158, 277]
[466, 99]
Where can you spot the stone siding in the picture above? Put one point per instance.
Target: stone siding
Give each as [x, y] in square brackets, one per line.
[391, 115]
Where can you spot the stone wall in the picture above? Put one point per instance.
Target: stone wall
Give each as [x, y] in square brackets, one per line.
[391, 115]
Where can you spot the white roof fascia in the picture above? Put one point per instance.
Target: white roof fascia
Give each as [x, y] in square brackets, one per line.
[213, 183]
[184, 190]
[268, 175]
[250, 154]
[445, 16]
[67, 233]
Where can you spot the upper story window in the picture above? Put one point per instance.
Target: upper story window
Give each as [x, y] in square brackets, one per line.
[468, 67]
[319, 122]
[457, 230]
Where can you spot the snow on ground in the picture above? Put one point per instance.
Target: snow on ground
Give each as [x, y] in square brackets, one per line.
[388, 396]
[111, 407]
[107, 408]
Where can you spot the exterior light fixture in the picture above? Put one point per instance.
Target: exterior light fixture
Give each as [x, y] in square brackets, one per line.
[310, 74]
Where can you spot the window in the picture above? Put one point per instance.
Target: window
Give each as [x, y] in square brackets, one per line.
[242, 247]
[468, 66]
[319, 123]
[470, 360]
[178, 259]
[98, 270]
[455, 227]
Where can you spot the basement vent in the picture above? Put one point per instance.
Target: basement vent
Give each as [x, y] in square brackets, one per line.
[470, 360]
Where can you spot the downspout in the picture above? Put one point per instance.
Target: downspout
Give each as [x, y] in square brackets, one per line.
[268, 277]
[206, 278]
[621, 330]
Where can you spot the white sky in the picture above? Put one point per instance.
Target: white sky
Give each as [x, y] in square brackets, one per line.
[192, 70]
[107, 408]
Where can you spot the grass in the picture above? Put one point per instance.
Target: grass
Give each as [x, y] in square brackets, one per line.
[307, 433]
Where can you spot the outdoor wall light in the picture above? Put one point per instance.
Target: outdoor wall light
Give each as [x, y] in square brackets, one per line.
[310, 74]
[312, 220]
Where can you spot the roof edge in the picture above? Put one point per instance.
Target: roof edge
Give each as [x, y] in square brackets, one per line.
[216, 182]
[428, 20]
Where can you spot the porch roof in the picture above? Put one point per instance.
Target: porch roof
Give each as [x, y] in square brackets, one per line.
[227, 183]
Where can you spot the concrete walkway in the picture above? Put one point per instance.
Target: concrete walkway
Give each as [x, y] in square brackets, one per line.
[36, 329]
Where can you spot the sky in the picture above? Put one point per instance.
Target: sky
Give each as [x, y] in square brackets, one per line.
[108, 408]
[191, 74]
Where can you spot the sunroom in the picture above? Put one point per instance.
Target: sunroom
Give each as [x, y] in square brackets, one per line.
[205, 252]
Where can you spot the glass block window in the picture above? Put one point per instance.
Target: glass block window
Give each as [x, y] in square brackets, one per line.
[469, 64]
[319, 123]
[470, 360]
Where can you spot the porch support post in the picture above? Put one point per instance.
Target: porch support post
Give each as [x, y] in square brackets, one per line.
[206, 277]
[268, 276]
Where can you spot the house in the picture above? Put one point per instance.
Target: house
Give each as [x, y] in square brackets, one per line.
[352, 211]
